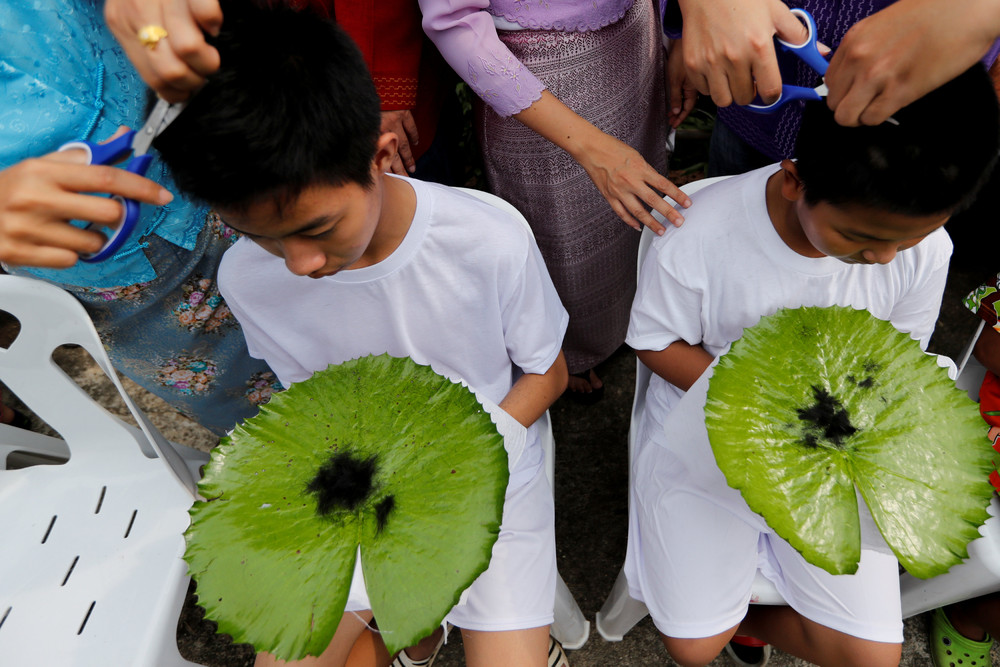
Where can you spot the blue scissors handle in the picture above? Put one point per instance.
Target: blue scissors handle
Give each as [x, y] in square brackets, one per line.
[109, 153]
[807, 52]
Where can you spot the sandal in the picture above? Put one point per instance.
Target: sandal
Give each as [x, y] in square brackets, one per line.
[585, 397]
[557, 655]
[403, 660]
[748, 651]
[950, 648]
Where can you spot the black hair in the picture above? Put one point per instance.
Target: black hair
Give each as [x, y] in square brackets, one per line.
[933, 161]
[291, 106]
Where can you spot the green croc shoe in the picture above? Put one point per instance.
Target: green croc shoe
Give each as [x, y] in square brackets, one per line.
[950, 649]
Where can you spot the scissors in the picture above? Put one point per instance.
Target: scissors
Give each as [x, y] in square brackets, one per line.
[136, 142]
[808, 53]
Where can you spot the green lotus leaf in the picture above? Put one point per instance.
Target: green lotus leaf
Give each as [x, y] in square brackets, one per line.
[812, 403]
[376, 452]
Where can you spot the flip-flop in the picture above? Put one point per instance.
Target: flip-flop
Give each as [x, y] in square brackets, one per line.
[950, 648]
[403, 660]
[557, 655]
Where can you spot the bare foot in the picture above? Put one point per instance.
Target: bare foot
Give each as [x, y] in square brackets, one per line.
[585, 385]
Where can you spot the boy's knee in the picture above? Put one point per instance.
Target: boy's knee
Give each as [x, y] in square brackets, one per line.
[692, 652]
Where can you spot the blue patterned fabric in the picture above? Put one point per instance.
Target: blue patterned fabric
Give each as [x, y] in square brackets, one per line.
[156, 305]
[63, 77]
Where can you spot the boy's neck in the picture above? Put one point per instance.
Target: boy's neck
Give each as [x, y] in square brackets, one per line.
[784, 218]
[399, 205]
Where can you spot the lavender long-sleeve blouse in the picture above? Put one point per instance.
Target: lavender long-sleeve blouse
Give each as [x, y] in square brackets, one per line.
[465, 33]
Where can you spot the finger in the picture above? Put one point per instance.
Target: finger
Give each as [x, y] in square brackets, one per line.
[208, 14]
[718, 87]
[187, 41]
[23, 254]
[649, 221]
[663, 185]
[676, 94]
[410, 126]
[622, 213]
[406, 155]
[767, 78]
[690, 98]
[397, 167]
[788, 27]
[110, 180]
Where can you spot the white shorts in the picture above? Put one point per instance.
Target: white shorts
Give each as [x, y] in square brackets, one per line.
[517, 591]
[694, 549]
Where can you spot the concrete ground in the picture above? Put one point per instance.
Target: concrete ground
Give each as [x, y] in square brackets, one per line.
[591, 479]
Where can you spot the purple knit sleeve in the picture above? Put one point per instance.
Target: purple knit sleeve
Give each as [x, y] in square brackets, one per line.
[464, 33]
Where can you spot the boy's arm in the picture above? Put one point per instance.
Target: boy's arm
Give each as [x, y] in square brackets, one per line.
[532, 394]
[680, 363]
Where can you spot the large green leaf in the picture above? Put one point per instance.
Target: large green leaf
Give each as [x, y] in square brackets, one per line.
[275, 571]
[813, 402]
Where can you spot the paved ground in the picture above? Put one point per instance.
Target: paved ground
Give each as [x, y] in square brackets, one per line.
[591, 479]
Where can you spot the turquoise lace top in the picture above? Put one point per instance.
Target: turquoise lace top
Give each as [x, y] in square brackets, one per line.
[63, 77]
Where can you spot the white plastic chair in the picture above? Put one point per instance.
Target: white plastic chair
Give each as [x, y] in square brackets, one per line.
[91, 570]
[570, 626]
[620, 611]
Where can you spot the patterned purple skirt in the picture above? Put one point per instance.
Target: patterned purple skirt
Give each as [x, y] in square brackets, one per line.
[613, 78]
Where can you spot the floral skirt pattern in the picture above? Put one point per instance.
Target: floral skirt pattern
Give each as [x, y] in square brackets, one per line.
[175, 336]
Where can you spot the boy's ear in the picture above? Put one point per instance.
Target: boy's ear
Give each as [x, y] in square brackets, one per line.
[791, 185]
[385, 151]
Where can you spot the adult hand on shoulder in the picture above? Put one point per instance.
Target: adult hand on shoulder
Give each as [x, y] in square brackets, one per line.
[178, 64]
[39, 196]
[630, 184]
[619, 171]
[401, 124]
[901, 53]
[729, 49]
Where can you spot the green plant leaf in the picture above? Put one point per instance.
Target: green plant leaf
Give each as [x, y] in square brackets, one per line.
[274, 571]
[813, 402]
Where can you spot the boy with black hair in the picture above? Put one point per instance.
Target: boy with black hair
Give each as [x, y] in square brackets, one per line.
[340, 260]
[827, 229]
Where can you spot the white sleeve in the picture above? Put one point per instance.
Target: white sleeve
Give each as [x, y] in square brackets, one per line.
[667, 307]
[260, 345]
[534, 320]
[916, 312]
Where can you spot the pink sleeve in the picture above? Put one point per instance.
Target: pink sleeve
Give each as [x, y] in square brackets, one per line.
[464, 33]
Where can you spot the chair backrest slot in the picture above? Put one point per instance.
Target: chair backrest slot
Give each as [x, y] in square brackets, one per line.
[70, 570]
[86, 618]
[49, 529]
[100, 501]
[130, 523]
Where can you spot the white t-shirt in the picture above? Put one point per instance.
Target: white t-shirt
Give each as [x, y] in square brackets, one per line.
[466, 292]
[726, 267]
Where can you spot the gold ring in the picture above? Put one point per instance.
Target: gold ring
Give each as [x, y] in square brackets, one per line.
[150, 35]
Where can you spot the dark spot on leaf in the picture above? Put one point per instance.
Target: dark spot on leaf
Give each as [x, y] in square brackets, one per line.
[452, 471]
[867, 383]
[810, 441]
[872, 366]
[383, 510]
[343, 482]
[852, 379]
[826, 417]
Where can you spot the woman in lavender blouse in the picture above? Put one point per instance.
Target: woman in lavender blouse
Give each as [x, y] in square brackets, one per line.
[572, 89]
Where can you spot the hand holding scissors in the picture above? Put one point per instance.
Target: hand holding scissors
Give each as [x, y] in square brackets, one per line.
[808, 52]
[138, 143]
